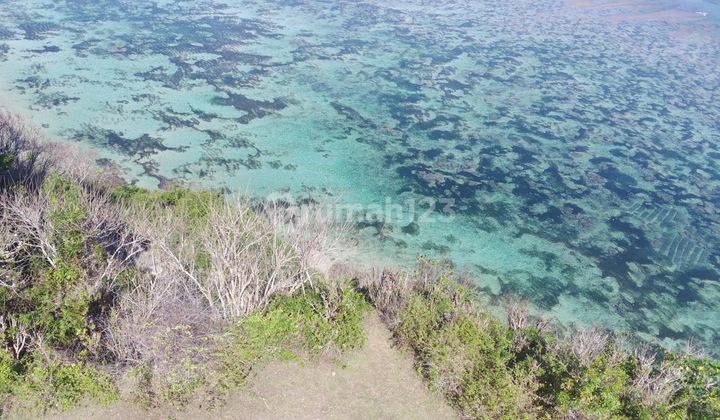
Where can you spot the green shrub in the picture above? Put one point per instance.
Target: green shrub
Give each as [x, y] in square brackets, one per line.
[311, 322]
[465, 355]
[58, 305]
[257, 339]
[596, 391]
[192, 204]
[8, 375]
[700, 392]
[185, 381]
[326, 318]
[7, 159]
[565, 385]
[67, 214]
[55, 386]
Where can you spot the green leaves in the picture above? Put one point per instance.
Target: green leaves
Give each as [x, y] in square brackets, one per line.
[464, 355]
[66, 213]
[8, 375]
[7, 159]
[57, 306]
[192, 205]
[487, 370]
[59, 386]
[310, 322]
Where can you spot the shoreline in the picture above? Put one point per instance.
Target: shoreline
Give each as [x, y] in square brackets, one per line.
[515, 231]
[364, 256]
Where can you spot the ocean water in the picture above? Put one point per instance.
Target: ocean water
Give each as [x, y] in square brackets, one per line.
[566, 152]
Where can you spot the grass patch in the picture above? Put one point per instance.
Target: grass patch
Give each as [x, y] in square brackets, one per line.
[192, 205]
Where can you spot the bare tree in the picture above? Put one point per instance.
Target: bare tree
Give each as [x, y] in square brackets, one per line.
[23, 218]
[656, 382]
[29, 230]
[22, 153]
[518, 316]
[388, 291]
[18, 333]
[241, 256]
[108, 225]
[584, 344]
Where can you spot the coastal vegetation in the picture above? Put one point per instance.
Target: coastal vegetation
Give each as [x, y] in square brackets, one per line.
[110, 292]
[523, 368]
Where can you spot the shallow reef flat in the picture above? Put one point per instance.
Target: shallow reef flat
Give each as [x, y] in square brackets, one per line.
[565, 152]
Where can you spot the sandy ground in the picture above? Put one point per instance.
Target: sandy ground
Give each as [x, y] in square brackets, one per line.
[376, 382]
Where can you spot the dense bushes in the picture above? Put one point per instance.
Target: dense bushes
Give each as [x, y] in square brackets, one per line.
[487, 369]
[306, 324]
[465, 357]
[292, 328]
[56, 386]
[160, 294]
[65, 254]
[129, 281]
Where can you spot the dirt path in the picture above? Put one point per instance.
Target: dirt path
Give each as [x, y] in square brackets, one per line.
[376, 382]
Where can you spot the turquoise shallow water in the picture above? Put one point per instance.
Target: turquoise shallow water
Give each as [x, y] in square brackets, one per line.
[563, 151]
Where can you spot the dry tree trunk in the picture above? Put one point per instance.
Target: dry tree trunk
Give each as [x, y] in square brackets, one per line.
[241, 256]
